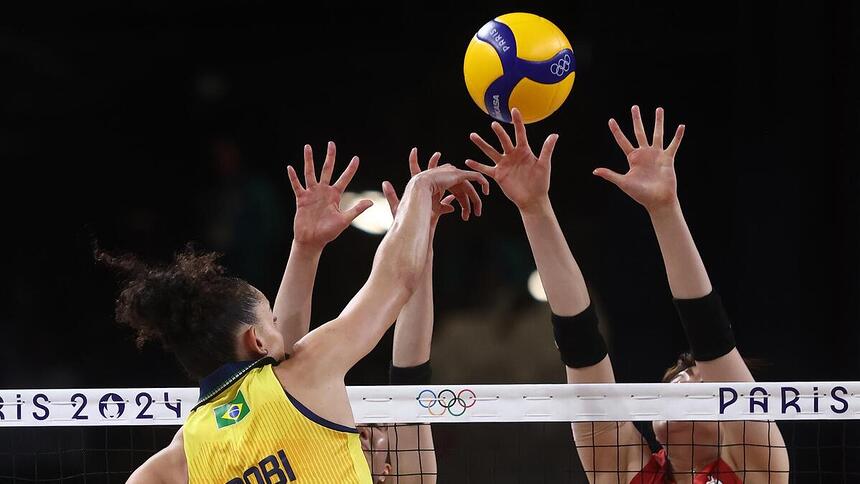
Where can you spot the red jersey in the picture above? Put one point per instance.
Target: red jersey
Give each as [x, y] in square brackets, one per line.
[657, 471]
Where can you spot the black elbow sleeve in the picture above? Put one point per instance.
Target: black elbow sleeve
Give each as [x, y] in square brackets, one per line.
[709, 331]
[412, 375]
[578, 339]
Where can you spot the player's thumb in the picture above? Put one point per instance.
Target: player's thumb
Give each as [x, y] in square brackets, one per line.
[358, 209]
[612, 177]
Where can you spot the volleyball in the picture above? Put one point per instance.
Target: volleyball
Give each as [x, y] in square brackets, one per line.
[519, 60]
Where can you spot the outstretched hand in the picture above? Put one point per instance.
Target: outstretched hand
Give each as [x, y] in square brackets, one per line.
[441, 205]
[319, 219]
[522, 176]
[650, 179]
[447, 178]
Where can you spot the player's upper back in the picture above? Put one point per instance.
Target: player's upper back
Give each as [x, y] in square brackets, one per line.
[247, 428]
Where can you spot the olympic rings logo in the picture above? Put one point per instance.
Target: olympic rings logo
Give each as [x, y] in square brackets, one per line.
[455, 404]
[561, 67]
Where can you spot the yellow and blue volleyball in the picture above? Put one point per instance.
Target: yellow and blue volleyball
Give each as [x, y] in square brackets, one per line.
[522, 61]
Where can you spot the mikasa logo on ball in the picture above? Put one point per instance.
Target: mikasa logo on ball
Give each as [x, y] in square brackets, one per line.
[496, 105]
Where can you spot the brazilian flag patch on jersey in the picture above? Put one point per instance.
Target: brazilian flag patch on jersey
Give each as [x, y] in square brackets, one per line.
[233, 412]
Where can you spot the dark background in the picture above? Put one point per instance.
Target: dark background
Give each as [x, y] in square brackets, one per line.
[152, 125]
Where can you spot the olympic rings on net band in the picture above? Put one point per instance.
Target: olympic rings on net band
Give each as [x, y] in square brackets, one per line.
[454, 404]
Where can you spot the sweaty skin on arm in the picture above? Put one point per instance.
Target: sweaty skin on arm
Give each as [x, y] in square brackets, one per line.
[525, 180]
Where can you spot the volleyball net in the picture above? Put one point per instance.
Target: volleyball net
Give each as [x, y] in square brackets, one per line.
[480, 433]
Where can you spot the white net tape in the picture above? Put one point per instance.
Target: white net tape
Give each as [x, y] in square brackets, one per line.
[467, 403]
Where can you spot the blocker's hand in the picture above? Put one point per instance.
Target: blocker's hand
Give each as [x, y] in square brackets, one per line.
[650, 179]
[522, 176]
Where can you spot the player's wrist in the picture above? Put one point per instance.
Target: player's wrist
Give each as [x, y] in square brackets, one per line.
[307, 248]
[420, 183]
[668, 210]
[539, 206]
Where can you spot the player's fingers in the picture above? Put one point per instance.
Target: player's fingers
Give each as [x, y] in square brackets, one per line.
[358, 209]
[519, 127]
[446, 204]
[676, 141]
[658, 129]
[488, 170]
[328, 164]
[485, 147]
[504, 139]
[638, 127]
[346, 177]
[479, 178]
[294, 180]
[548, 147]
[465, 204]
[477, 204]
[620, 139]
[390, 196]
[310, 176]
[615, 178]
[414, 169]
[434, 160]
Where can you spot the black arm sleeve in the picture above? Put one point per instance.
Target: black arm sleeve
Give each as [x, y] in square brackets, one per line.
[412, 375]
[578, 340]
[709, 331]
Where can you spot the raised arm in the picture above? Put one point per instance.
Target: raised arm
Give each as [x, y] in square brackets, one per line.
[651, 182]
[396, 272]
[413, 456]
[322, 358]
[524, 178]
[413, 332]
[318, 221]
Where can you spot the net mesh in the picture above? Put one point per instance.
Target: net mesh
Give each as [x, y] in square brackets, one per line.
[77, 454]
[481, 444]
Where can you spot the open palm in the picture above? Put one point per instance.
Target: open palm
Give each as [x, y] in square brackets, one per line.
[650, 179]
[522, 176]
[319, 219]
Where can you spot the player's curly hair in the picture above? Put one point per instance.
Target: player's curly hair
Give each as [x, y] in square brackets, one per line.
[190, 305]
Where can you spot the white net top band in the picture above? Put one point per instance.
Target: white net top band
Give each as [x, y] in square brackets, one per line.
[467, 403]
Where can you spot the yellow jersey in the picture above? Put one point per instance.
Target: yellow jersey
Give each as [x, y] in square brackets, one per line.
[247, 429]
